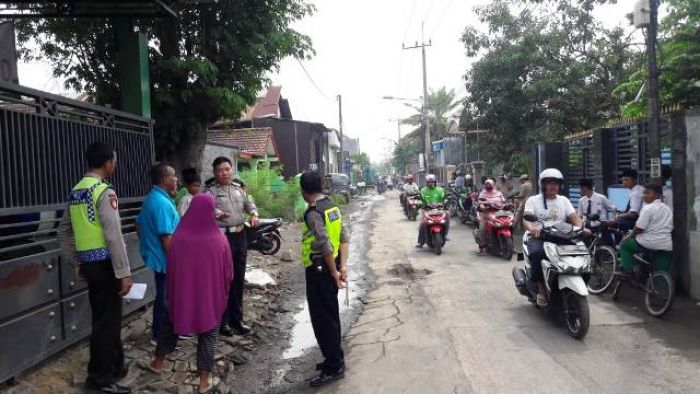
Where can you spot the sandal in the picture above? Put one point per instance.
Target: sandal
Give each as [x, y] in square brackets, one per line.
[212, 383]
[541, 300]
[146, 366]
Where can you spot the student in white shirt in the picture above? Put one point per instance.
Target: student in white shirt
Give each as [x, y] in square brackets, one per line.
[194, 185]
[652, 230]
[668, 190]
[550, 208]
[626, 220]
[593, 203]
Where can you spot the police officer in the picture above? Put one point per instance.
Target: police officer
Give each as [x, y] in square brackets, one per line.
[232, 202]
[90, 234]
[324, 254]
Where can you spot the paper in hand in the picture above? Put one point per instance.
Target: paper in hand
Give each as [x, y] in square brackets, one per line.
[137, 292]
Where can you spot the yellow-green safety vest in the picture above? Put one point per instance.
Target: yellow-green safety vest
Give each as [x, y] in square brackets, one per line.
[90, 244]
[334, 225]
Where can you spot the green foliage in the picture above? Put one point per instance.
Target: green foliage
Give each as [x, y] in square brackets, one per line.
[360, 159]
[678, 60]
[208, 63]
[338, 199]
[404, 152]
[439, 104]
[282, 203]
[540, 74]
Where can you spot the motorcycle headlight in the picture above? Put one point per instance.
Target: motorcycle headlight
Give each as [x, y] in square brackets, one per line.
[498, 225]
[442, 221]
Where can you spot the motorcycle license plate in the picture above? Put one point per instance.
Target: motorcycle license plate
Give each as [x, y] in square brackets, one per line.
[572, 250]
[433, 212]
[502, 213]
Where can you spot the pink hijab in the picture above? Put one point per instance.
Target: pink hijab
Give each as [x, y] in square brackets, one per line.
[493, 196]
[199, 270]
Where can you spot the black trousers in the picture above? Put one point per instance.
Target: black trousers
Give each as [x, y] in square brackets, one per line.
[322, 297]
[536, 253]
[106, 352]
[239, 253]
[206, 343]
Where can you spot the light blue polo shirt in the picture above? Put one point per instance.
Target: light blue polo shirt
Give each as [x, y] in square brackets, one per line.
[158, 217]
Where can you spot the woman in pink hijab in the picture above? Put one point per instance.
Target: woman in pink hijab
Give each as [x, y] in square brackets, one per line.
[489, 195]
[198, 280]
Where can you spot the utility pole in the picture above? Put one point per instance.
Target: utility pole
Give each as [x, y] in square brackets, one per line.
[340, 129]
[654, 110]
[424, 109]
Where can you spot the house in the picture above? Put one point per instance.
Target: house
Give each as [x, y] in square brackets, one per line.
[254, 145]
[334, 151]
[212, 150]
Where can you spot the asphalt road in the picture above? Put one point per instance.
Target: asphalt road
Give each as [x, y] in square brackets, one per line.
[456, 324]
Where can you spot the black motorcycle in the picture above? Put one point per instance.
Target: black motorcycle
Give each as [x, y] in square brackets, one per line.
[265, 238]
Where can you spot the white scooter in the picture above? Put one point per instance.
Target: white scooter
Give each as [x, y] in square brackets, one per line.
[566, 270]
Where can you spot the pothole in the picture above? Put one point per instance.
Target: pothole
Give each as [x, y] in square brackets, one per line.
[396, 282]
[407, 272]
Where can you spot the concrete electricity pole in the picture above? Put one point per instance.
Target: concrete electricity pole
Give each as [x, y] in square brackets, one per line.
[424, 108]
[340, 129]
[654, 110]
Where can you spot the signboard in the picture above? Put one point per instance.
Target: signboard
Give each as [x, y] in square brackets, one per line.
[8, 55]
[655, 167]
[438, 145]
[421, 162]
[313, 167]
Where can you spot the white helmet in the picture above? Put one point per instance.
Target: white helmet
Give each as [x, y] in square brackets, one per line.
[430, 178]
[468, 177]
[551, 173]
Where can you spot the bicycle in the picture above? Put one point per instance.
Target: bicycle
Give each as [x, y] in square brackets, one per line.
[658, 285]
[603, 260]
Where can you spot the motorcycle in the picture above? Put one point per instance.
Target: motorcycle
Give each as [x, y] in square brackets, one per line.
[471, 214]
[499, 230]
[566, 270]
[265, 237]
[413, 205]
[434, 219]
[381, 188]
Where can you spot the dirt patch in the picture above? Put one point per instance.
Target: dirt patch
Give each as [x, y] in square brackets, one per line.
[407, 272]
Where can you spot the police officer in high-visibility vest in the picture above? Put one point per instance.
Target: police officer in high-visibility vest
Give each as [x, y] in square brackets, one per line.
[324, 254]
[90, 237]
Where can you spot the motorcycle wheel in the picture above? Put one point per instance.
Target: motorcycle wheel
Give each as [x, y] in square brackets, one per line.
[659, 293]
[451, 209]
[437, 244]
[603, 269]
[506, 247]
[275, 243]
[412, 214]
[576, 314]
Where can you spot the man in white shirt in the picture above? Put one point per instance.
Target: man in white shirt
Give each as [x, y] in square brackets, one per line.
[668, 190]
[593, 203]
[626, 220]
[409, 188]
[652, 230]
[550, 208]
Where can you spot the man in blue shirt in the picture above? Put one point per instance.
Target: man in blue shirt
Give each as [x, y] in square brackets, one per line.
[156, 224]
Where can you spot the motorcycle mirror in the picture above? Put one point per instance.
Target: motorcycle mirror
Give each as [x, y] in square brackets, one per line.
[530, 217]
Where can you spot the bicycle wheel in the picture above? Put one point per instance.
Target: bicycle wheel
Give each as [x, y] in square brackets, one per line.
[659, 293]
[603, 268]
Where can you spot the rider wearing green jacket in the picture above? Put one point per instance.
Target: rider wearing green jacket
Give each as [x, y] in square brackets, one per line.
[431, 194]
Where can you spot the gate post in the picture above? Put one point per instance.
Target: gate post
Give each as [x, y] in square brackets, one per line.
[134, 81]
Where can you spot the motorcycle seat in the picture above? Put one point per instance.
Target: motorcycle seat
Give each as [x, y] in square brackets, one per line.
[269, 221]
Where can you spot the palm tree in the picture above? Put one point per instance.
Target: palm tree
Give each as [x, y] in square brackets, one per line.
[439, 104]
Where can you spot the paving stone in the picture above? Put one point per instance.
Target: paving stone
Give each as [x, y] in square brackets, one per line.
[180, 366]
[78, 378]
[178, 377]
[162, 385]
[185, 389]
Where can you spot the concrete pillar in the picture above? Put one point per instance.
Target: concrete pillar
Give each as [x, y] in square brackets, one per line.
[134, 80]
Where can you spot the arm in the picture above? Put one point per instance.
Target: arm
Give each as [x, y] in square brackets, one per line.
[530, 227]
[250, 207]
[166, 222]
[107, 209]
[344, 250]
[323, 244]
[165, 242]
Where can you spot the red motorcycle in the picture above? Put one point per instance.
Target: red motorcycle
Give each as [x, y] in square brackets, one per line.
[413, 205]
[434, 220]
[499, 230]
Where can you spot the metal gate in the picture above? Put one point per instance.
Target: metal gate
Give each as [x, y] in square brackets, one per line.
[578, 163]
[43, 308]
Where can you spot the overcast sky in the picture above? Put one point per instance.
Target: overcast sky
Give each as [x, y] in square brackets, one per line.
[359, 55]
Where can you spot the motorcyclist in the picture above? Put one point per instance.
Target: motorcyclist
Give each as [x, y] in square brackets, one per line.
[488, 196]
[550, 208]
[409, 188]
[460, 183]
[431, 194]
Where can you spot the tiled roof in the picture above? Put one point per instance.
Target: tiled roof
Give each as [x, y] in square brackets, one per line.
[270, 104]
[254, 141]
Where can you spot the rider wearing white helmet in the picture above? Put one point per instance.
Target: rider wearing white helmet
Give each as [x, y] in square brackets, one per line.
[550, 208]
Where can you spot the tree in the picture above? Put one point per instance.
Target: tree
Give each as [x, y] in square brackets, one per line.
[404, 152]
[360, 159]
[541, 74]
[678, 59]
[439, 104]
[207, 64]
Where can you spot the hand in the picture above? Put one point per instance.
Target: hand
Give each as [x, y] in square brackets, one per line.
[223, 215]
[254, 221]
[535, 233]
[339, 282]
[126, 286]
[587, 231]
[344, 275]
[78, 273]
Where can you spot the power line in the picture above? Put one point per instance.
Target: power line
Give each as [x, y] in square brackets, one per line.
[442, 16]
[313, 82]
[410, 19]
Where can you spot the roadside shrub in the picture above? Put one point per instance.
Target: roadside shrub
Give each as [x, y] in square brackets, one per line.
[273, 196]
[338, 199]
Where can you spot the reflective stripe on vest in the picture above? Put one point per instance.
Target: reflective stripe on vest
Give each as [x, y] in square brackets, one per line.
[90, 244]
[334, 224]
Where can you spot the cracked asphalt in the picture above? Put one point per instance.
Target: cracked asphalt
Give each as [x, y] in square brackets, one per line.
[456, 324]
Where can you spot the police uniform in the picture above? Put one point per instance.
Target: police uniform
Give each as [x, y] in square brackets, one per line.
[323, 232]
[90, 235]
[234, 201]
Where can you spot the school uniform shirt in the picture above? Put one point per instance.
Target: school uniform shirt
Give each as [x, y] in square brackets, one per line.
[158, 217]
[558, 209]
[184, 204]
[636, 199]
[668, 197]
[595, 204]
[656, 219]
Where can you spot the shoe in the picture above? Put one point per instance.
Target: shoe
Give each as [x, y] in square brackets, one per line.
[185, 337]
[241, 328]
[541, 300]
[226, 330]
[327, 377]
[320, 366]
[112, 388]
[419, 246]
